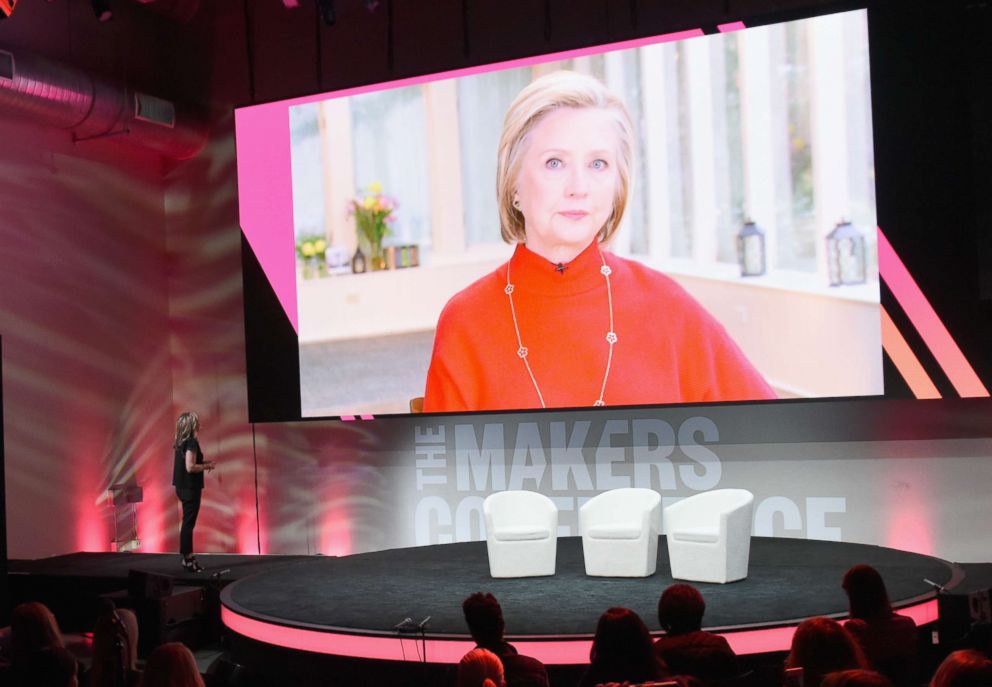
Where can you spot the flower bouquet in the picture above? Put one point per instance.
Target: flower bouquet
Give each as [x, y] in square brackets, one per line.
[312, 252]
[373, 213]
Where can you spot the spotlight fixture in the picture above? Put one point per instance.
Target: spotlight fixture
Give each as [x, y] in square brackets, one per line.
[327, 13]
[101, 8]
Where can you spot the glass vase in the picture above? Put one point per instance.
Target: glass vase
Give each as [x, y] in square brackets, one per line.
[377, 257]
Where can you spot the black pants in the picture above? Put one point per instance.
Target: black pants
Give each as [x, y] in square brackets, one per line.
[190, 499]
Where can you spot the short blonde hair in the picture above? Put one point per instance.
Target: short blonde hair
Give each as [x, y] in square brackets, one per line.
[541, 97]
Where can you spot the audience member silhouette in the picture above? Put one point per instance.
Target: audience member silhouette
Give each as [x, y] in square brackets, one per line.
[33, 628]
[484, 617]
[855, 678]
[171, 665]
[115, 649]
[622, 651]
[685, 648]
[52, 666]
[889, 640]
[965, 668]
[480, 668]
[822, 646]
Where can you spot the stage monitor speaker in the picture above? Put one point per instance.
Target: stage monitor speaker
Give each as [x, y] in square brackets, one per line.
[148, 585]
[960, 613]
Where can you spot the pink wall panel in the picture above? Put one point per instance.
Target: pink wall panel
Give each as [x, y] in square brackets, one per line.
[87, 388]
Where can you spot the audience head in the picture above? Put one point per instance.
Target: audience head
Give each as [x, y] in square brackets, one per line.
[622, 645]
[866, 593]
[855, 678]
[967, 668]
[32, 628]
[115, 645]
[171, 665]
[680, 609]
[822, 646]
[52, 666]
[480, 668]
[484, 618]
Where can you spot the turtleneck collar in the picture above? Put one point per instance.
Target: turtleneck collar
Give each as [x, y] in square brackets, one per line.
[535, 274]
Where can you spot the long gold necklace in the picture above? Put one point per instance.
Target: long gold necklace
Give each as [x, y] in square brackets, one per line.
[611, 335]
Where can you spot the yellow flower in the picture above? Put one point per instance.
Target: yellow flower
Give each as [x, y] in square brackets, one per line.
[367, 203]
[375, 187]
[308, 249]
[320, 245]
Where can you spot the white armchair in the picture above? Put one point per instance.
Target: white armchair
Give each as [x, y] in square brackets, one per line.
[521, 534]
[620, 530]
[709, 535]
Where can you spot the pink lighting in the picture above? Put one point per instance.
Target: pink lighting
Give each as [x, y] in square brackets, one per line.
[335, 525]
[91, 534]
[905, 360]
[151, 515]
[551, 652]
[910, 297]
[246, 531]
[731, 27]
[909, 527]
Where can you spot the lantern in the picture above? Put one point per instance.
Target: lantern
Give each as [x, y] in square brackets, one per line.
[846, 263]
[751, 249]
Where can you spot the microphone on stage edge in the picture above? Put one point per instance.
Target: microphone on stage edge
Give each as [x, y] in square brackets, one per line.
[939, 588]
[423, 623]
[403, 625]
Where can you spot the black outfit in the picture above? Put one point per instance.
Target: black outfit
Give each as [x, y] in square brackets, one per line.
[892, 646]
[189, 488]
[700, 654]
[518, 671]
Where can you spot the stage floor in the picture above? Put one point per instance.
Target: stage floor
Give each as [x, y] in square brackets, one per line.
[349, 606]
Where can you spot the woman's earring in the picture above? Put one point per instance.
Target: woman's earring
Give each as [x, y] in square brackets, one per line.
[516, 203]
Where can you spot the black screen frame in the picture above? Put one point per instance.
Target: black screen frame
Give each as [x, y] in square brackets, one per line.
[930, 120]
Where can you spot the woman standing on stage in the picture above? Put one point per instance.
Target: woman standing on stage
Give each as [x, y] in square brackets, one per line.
[187, 477]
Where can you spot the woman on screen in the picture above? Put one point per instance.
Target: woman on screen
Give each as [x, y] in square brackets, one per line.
[565, 323]
[187, 476]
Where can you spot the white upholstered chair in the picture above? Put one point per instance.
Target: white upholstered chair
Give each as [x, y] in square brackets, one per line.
[620, 530]
[709, 535]
[521, 534]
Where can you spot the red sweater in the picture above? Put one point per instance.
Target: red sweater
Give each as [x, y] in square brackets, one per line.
[668, 350]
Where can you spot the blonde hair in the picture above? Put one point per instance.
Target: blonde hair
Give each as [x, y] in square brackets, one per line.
[186, 426]
[480, 667]
[552, 92]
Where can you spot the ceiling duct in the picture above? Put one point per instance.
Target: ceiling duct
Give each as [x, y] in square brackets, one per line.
[65, 97]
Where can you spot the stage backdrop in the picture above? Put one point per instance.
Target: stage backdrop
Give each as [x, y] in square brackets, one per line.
[344, 488]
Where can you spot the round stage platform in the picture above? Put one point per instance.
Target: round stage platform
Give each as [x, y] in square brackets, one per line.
[352, 606]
